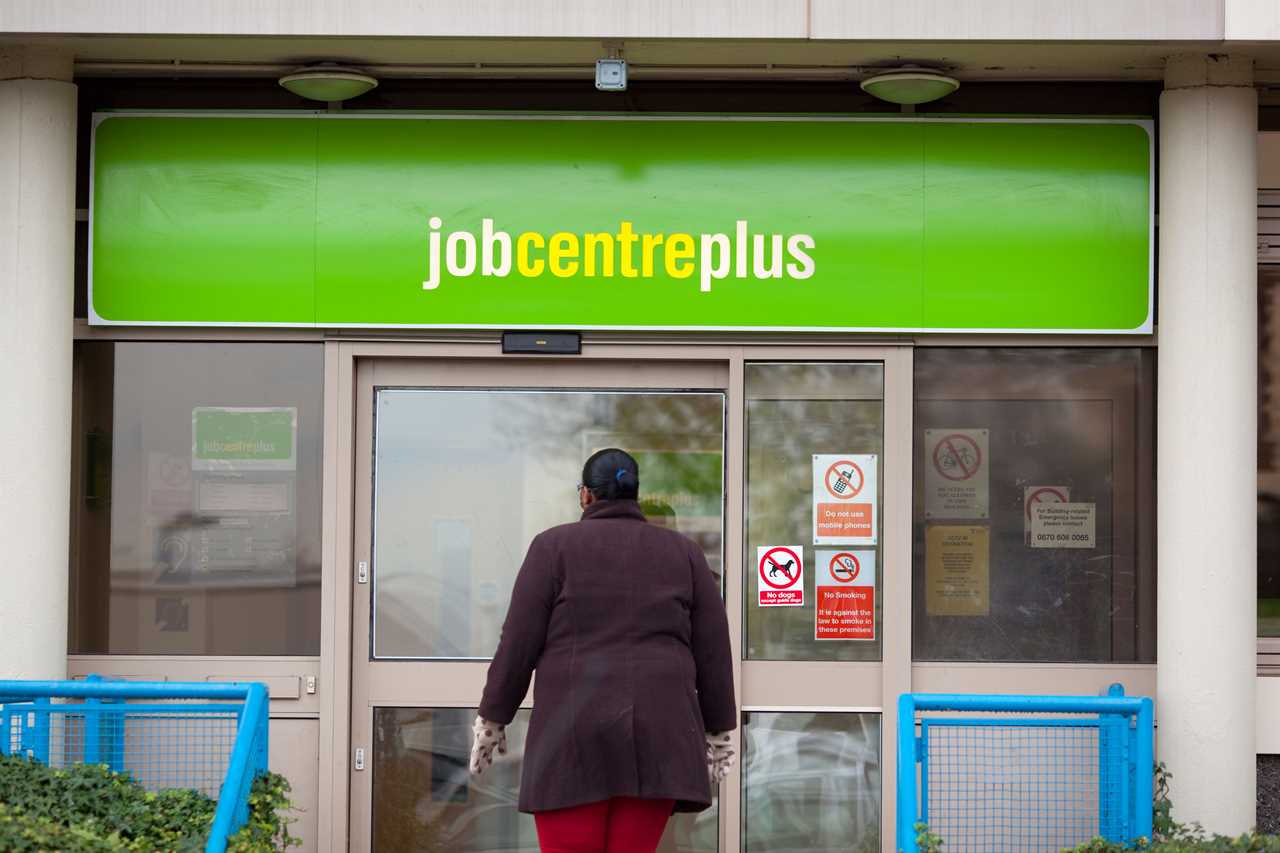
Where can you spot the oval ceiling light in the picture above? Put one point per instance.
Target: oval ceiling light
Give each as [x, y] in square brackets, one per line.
[910, 85]
[328, 82]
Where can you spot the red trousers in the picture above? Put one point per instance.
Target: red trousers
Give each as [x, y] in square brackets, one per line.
[619, 825]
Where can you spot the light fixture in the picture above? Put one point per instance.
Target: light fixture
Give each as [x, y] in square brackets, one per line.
[328, 82]
[910, 84]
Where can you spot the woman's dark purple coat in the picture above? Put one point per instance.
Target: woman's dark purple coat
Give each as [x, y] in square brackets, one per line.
[624, 623]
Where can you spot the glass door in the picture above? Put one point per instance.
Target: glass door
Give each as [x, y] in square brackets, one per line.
[791, 466]
[815, 561]
[460, 464]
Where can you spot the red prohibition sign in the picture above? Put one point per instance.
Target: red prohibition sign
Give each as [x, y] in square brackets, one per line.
[845, 567]
[957, 457]
[847, 480]
[1039, 495]
[788, 564]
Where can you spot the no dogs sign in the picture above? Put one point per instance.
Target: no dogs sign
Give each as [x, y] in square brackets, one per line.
[781, 571]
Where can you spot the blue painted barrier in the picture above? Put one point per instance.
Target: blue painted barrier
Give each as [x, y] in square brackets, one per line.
[994, 773]
[209, 737]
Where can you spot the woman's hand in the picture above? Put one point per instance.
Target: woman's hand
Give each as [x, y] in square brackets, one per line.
[719, 755]
[489, 738]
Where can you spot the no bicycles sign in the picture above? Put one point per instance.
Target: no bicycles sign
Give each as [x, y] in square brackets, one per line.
[844, 499]
[956, 473]
[781, 570]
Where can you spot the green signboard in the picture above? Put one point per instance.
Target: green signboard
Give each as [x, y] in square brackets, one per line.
[611, 222]
[243, 439]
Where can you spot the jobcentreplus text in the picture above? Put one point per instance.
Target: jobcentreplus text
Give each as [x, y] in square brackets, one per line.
[626, 253]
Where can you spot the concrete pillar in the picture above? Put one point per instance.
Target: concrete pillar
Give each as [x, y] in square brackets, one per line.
[37, 255]
[1207, 457]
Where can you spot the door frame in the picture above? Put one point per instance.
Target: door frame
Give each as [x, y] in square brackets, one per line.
[343, 360]
[458, 682]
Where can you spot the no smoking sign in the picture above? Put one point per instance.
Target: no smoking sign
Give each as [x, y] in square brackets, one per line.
[781, 571]
[845, 588]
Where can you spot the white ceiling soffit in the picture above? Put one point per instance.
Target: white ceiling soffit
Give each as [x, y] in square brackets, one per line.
[647, 58]
[880, 20]
[819, 39]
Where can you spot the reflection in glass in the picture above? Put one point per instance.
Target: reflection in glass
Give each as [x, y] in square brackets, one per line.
[196, 499]
[425, 800]
[796, 410]
[1268, 563]
[811, 782]
[1268, 453]
[1073, 424]
[465, 479]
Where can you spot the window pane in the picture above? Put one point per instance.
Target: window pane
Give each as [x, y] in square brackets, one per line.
[795, 412]
[1268, 563]
[465, 479]
[196, 499]
[1034, 505]
[811, 782]
[1268, 453]
[424, 798]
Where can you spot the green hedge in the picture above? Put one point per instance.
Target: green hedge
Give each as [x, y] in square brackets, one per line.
[89, 809]
[1186, 840]
[1170, 836]
[1248, 843]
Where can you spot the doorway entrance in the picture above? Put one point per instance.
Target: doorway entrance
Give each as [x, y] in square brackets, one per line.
[459, 462]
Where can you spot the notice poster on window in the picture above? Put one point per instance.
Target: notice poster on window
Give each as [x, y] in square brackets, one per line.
[781, 570]
[241, 527]
[957, 570]
[168, 484]
[1064, 525]
[1033, 496]
[956, 465]
[844, 499]
[845, 585]
[244, 439]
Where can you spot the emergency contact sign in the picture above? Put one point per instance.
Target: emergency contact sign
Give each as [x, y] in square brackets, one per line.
[1064, 525]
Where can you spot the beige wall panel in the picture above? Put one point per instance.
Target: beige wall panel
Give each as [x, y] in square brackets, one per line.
[286, 678]
[565, 18]
[294, 754]
[1269, 157]
[1051, 679]
[1252, 20]
[1081, 20]
[1268, 721]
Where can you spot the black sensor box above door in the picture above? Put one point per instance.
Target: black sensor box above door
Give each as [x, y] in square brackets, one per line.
[542, 343]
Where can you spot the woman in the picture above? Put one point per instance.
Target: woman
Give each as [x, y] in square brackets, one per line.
[634, 702]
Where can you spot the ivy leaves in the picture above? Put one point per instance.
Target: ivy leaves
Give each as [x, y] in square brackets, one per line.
[90, 809]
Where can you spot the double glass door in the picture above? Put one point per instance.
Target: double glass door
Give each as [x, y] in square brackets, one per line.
[459, 463]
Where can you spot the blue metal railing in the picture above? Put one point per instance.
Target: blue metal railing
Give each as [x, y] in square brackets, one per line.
[210, 737]
[993, 773]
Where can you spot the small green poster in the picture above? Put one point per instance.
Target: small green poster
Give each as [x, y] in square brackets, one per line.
[244, 439]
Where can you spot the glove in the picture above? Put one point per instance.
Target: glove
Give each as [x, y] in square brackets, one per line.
[489, 738]
[719, 755]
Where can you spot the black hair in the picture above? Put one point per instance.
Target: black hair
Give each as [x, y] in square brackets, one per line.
[612, 474]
